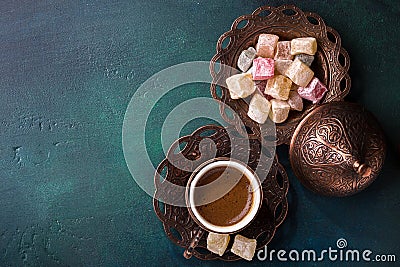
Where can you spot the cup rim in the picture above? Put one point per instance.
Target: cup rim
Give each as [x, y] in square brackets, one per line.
[249, 217]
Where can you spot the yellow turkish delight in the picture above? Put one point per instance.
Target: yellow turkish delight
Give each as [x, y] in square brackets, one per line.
[259, 108]
[278, 87]
[244, 247]
[304, 45]
[299, 73]
[217, 243]
[279, 110]
[240, 85]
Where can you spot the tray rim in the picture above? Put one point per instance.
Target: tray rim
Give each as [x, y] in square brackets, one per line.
[284, 131]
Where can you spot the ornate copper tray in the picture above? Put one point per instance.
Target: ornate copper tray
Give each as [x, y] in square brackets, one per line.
[177, 223]
[331, 62]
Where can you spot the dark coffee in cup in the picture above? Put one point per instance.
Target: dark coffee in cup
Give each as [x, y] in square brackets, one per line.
[223, 195]
[236, 196]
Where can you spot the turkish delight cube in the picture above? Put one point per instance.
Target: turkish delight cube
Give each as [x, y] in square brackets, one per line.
[279, 110]
[278, 87]
[281, 65]
[295, 101]
[259, 108]
[283, 50]
[244, 247]
[240, 85]
[251, 52]
[217, 243]
[233, 95]
[263, 68]
[304, 45]
[314, 91]
[299, 73]
[246, 59]
[306, 59]
[266, 45]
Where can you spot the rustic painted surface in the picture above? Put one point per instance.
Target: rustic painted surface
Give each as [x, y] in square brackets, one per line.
[67, 73]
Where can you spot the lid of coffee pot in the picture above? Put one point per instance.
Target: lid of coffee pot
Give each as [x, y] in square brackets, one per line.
[338, 149]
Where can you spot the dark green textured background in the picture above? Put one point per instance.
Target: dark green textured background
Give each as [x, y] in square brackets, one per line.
[68, 70]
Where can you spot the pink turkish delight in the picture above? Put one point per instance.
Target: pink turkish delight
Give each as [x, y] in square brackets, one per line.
[283, 51]
[263, 68]
[314, 91]
[266, 45]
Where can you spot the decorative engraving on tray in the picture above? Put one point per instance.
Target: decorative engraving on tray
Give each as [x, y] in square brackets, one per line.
[177, 223]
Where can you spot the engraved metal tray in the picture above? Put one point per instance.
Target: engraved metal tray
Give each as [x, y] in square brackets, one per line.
[180, 227]
[330, 65]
